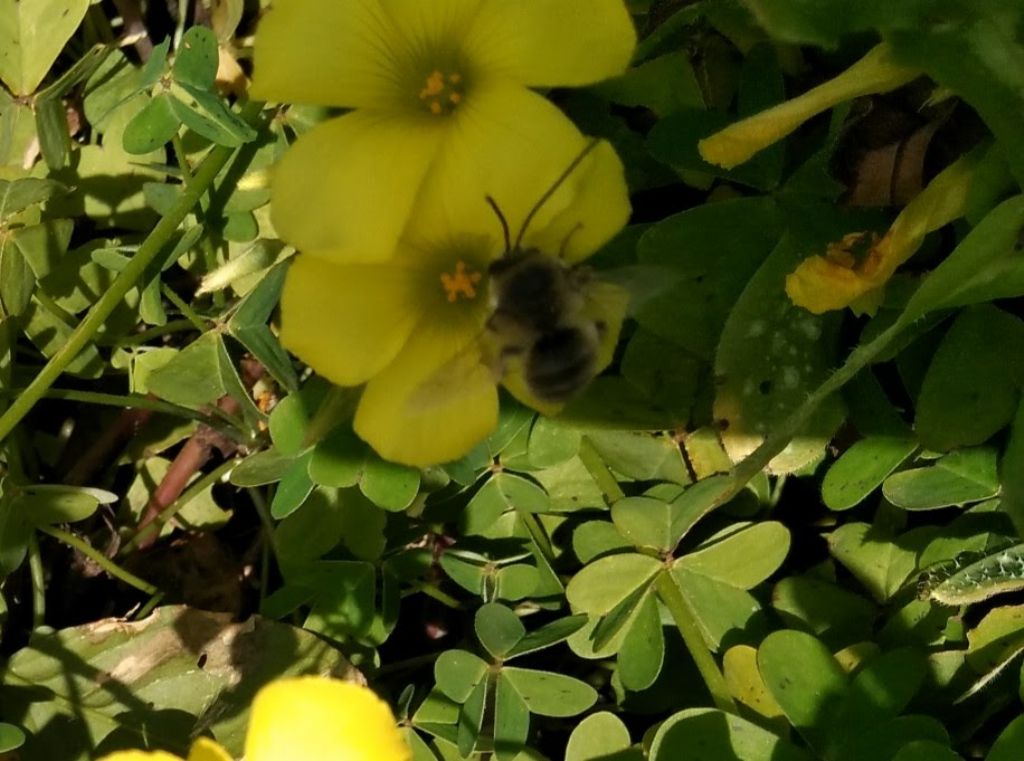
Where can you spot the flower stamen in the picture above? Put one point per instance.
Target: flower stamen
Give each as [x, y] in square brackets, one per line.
[440, 93]
[460, 283]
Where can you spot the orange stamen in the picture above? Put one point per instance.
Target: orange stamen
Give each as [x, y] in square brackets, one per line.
[460, 283]
[435, 85]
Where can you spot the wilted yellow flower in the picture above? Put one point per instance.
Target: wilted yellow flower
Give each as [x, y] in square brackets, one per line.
[413, 328]
[439, 92]
[874, 73]
[842, 278]
[307, 718]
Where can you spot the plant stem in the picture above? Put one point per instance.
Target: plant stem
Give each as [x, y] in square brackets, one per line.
[99, 559]
[172, 326]
[179, 154]
[259, 503]
[152, 529]
[35, 568]
[337, 406]
[431, 591]
[673, 599]
[599, 471]
[186, 311]
[146, 609]
[124, 401]
[539, 535]
[151, 248]
[673, 25]
[779, 438]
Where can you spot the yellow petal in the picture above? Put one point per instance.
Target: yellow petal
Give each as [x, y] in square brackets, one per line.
[874, 73]
[346, 187]
[598, 211]
[433, 404]
[318, 719]
[820, 285]
[205, 749]
[140, 755]
[507, 143]
[328, 52]
[435, 25]
[346, 321]
[549, 44]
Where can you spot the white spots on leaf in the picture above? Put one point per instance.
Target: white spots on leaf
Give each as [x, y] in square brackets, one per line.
[790, 377]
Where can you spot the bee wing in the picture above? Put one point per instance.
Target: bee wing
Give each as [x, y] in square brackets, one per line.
[643, 283]
[607, 305]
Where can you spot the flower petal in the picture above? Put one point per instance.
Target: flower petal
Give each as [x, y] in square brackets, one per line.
[346, 187]
[432, 405]
[599, 210]
[433, 25]
[318, 719]
[876, 72]
[346, 321]
[821, 285]
[507, 143]
[205, 749]
[549, 44]
[328, 52]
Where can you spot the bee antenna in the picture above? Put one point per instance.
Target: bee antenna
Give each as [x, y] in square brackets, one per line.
[554, 187]
[501, 218]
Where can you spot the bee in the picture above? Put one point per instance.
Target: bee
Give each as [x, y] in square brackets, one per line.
[538, 312]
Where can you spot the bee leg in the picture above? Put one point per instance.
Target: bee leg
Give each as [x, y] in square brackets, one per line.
[565, 241]
[500, 364]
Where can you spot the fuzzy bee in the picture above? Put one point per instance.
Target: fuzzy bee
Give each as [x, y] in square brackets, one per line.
[540, 315]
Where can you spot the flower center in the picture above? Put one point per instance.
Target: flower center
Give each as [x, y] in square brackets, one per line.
[461, 283]
[441, 92]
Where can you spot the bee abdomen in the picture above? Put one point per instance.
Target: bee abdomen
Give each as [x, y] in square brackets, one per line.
[560, 363]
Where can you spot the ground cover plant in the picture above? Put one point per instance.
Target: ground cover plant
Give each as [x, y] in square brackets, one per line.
[277, 432]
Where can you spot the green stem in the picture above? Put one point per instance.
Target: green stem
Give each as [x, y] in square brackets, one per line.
[270, 541]
[124, 401]
[35, 568]
[415, 662]
[606, 482]
[179, 154]
[99, 559]
[154, 245]
[673, 25]
[205, 244]
[172, 326]
[780, 437]
[55, 309]
[337, 406]
[673, 599]
[146, 609]
[187, 312]
[539, 535]
[431, 591]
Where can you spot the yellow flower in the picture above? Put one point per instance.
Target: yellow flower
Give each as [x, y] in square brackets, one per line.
[874, 73]
[413, 328]
[307, 719]
[842, 278]
[439, 95]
